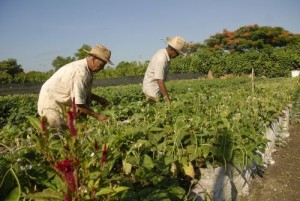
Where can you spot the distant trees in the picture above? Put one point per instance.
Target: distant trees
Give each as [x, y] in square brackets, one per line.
[124, 68]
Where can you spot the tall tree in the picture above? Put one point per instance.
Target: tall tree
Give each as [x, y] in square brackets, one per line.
[80, 54]
[59, 61]
[11, 67]
[253, 36]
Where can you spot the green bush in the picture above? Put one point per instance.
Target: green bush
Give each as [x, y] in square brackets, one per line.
[5, 78]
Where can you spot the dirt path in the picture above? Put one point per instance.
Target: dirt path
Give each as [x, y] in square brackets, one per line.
[281, 181]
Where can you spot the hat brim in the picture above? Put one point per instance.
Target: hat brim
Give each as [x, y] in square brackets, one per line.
[179, 51]
[94, 55]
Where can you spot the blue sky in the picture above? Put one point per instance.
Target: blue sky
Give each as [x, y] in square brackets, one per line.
[36, 31]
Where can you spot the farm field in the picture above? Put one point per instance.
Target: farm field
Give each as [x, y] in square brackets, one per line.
[146, 151]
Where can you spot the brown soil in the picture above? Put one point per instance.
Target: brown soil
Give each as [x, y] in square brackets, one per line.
[281, 180]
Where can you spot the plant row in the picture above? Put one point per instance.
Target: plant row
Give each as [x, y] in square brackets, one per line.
[145, 152]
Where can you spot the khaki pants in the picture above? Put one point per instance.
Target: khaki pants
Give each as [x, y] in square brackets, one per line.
[55, 119]
[52, 110]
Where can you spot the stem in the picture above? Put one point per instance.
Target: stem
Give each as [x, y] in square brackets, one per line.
[252, 80]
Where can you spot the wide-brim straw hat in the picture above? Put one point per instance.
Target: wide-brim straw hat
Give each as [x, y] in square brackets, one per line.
[177, 43]
[101, 53]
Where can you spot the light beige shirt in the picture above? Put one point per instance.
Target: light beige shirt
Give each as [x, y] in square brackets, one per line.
[157, 69]
[71, 80]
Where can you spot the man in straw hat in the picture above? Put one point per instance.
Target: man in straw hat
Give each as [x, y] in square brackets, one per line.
[73, 82]
[154, 80]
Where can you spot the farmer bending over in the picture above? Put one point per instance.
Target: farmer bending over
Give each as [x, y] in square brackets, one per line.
[154, 80]
[73, 81]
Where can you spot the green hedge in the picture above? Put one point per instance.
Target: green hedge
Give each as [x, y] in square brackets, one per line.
[269, 62]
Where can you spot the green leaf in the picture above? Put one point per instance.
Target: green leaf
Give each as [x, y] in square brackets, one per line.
[169, 160]
[46, 195]
[158, 194]
[121, 188]
[10, 188]
[13, 195]
[156, 129]
[35, 122]
[168, 129]
[177, 191]
[105, 191]
[207, 148]
[226, 123]
[147, 162]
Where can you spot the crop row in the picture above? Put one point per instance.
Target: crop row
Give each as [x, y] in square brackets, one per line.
[147, 151]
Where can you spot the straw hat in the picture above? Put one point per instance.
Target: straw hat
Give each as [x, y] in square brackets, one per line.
[100, 52]
[177, 43]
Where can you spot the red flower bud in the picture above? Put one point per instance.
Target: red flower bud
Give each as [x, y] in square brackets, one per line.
[68, 171]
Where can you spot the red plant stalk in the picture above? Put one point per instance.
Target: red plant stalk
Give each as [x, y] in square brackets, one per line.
[71, 124]
[66, 168]
[44, 125]
[74, 108]
[96, 145]
[104, 155]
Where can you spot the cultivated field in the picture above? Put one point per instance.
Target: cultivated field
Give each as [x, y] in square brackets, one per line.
[145, 152]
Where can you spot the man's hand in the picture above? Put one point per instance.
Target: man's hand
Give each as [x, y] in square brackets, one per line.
[88, 111]
[163, 90]
[168, 100]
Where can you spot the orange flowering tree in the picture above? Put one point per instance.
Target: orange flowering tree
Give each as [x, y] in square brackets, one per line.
[252, 37]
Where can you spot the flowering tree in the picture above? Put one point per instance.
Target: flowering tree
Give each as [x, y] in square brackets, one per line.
[252, 36]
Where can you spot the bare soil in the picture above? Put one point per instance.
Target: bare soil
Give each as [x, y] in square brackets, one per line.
[281, 181]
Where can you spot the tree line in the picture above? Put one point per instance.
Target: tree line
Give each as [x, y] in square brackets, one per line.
[270, 51]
